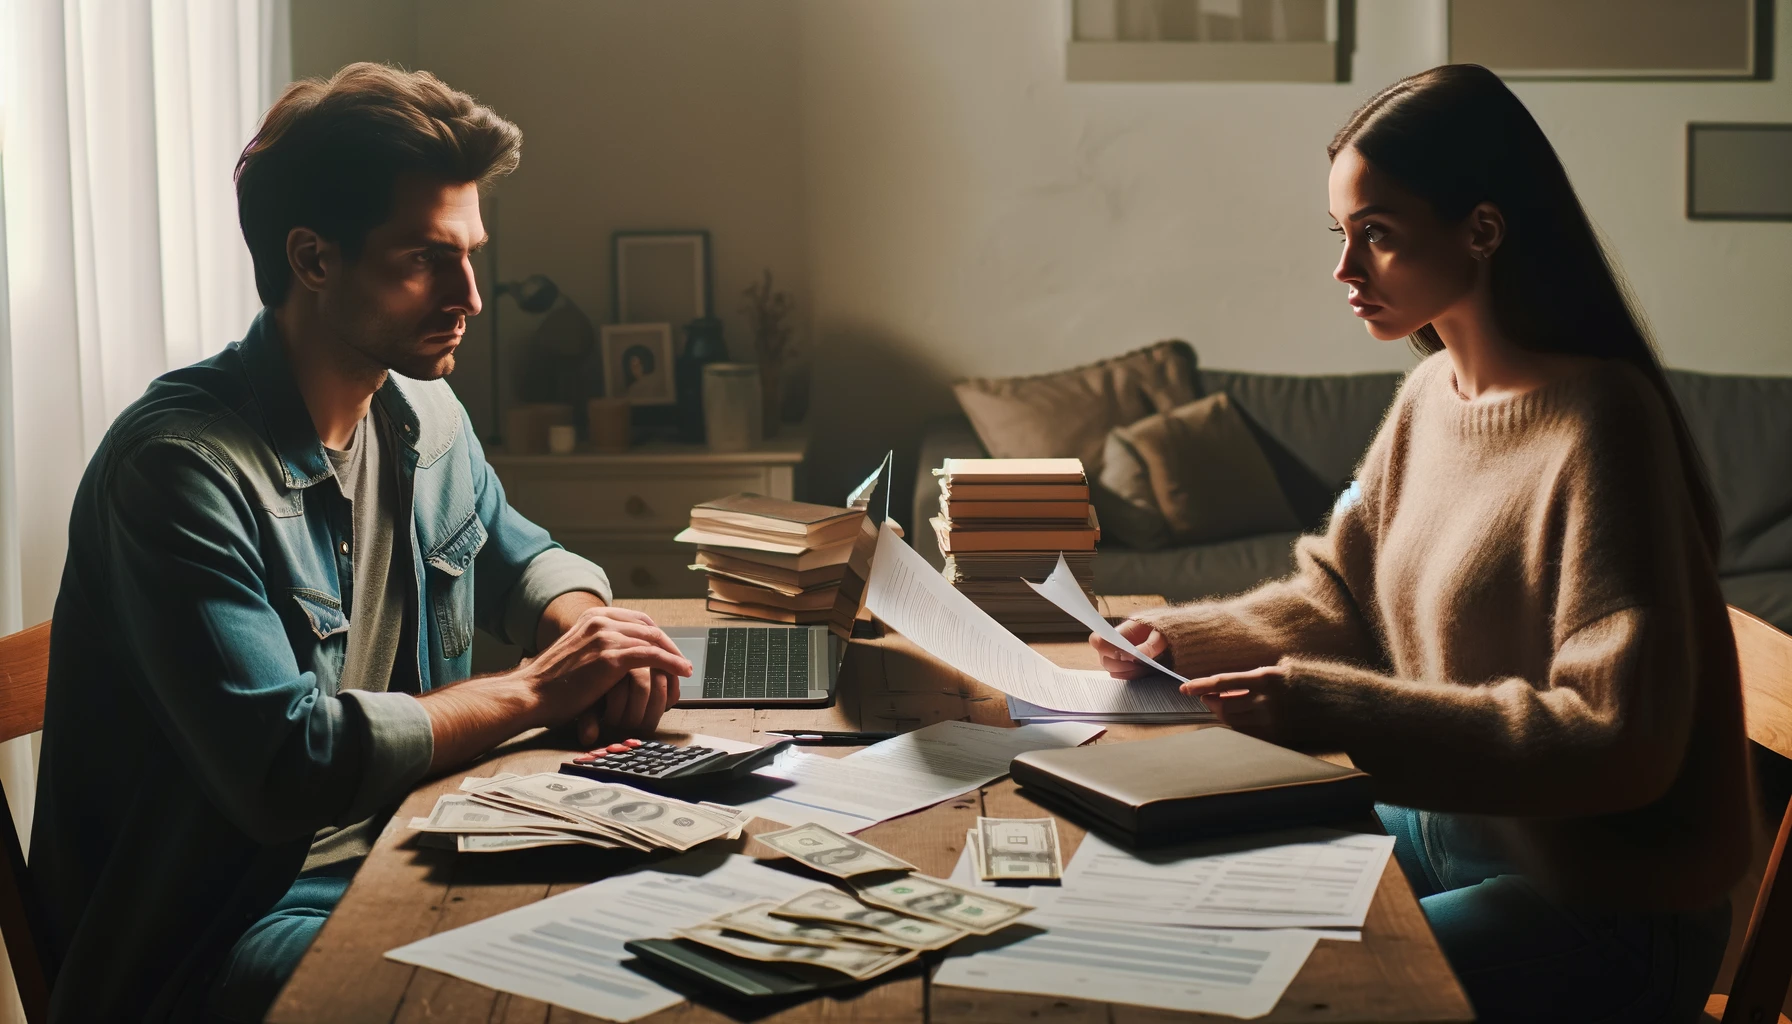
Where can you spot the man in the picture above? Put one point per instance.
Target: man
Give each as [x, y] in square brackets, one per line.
[277, 558]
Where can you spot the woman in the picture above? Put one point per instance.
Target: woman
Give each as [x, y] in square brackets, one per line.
[1513, 620]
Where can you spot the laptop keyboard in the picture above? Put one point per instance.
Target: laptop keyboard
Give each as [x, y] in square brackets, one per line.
[752, 662]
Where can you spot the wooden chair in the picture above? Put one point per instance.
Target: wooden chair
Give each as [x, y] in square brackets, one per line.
[1759, 988]
[24, 675]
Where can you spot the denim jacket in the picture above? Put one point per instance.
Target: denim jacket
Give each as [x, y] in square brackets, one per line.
[194, 736]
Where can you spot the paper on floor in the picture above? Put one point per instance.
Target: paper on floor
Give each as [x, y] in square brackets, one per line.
[1310, 878]
[906, 773]
[567, 949]
[912, 598]
[1241, 973]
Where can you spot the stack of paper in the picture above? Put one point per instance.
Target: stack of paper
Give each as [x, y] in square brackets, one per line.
[1219, 927]
[567, 949]
[777, 560]
[906, 773]
[1005, 520]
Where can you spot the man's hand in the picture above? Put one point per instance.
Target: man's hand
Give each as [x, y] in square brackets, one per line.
[613, 655]
[1122, 665]
[631, 707]
[1246, 701]
[599, 653]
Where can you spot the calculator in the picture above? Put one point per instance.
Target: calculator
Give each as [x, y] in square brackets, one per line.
[669, 767]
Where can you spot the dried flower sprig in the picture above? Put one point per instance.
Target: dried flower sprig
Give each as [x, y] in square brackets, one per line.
[767, 310]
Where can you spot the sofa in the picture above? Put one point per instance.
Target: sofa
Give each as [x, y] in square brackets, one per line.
[1314, 429]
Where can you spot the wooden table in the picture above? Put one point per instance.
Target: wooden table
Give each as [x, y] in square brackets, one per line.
[405, 892]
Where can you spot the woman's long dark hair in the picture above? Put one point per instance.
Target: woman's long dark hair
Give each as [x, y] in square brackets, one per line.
[1457, 137]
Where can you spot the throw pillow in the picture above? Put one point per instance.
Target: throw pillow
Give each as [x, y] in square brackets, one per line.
[1069, 413]
[1209, 478]
[1124, 503]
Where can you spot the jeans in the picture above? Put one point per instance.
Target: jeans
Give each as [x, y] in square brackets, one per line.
[1522, 956]
[261, 961]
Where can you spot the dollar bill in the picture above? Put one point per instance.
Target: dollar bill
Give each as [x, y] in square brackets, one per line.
[660, 821]
[755, 919]
[456, 813]
[473, 782]
[836, 908]
[478, 843]
[859, 962]
[921, 896]
[830, 852]
[1017, 848]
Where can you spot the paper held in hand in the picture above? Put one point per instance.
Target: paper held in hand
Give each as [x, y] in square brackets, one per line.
[913, 599]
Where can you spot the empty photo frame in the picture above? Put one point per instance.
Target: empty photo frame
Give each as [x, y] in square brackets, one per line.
[660, 277]
[1739, 171]
[638, 363]
[1635, 39]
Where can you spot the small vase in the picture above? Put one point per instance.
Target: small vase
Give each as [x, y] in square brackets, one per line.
[771, 380]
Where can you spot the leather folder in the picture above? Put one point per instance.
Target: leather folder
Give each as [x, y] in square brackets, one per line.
[1205, 782]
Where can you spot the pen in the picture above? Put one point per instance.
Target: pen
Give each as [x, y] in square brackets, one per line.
[819, 736]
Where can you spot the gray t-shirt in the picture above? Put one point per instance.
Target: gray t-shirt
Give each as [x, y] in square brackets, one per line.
[376, 599]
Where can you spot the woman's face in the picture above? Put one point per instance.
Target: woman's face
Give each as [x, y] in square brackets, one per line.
[1405, 267]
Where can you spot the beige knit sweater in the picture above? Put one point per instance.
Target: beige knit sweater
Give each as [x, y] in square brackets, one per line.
[1518, 621]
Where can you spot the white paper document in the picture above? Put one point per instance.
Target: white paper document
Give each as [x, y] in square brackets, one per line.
[567, 949]
[1311, 878]
[1240, 973]
[912, 598]
[1062, 589]
[902, 774]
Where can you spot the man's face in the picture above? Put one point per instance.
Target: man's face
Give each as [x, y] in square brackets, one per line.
[404, 303]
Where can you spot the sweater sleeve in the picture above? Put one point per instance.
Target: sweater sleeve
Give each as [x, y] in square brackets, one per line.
[1604, 733]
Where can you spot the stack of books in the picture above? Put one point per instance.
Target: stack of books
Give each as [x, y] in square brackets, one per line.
[1003, 521]
[777, 560]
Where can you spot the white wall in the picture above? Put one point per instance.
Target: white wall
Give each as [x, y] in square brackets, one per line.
[945, 204]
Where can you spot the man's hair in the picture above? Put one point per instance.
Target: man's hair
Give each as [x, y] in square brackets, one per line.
[329, 154]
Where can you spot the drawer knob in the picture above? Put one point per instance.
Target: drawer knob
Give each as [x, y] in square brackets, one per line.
[634, 506]
[640, 577]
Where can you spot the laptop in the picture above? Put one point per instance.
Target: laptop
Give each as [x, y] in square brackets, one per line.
[768, 666]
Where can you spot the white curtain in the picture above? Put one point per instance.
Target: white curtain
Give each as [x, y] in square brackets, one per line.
[120, 257]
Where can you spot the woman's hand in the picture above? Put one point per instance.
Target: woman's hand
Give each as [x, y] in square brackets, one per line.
[1246, 701]
[1122, 665]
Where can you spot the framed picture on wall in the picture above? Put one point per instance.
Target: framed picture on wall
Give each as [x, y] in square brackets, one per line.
[1661, 39]
[638, 363]
[659, 277]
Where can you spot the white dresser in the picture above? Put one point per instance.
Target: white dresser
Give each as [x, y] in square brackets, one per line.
[621, 510]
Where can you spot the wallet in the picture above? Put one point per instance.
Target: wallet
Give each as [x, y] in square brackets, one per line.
[1206, 782]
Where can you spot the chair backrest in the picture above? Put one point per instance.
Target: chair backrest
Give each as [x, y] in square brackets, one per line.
[24, 676]
[1762, 974]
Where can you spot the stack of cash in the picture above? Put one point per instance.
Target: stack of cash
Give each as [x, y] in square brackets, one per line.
[519, 812]
[892, 916]
[1016, 849]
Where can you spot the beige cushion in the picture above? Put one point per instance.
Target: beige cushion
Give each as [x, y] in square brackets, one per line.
[1210, 480]
[1124, 501]
[1068, 414]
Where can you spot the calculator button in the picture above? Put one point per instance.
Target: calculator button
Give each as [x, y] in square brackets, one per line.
[583, 760]
[631, 743]
[616, 748]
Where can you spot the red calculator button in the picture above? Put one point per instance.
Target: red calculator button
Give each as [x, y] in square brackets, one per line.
[585, 759]
[616, 748]
[631, 743]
